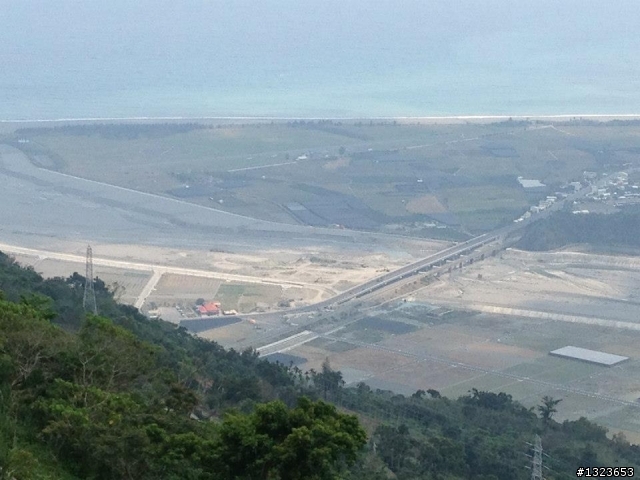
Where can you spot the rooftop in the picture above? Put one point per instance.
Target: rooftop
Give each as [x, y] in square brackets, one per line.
[530, 183]
[591, 356]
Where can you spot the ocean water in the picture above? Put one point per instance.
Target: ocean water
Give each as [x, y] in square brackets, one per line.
[307, 58]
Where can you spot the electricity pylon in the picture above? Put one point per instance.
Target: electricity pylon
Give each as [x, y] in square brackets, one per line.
[536, 470]
[89, 300]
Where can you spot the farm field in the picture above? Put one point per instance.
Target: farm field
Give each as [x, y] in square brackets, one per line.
[262, 280]
[172, 289]
[493, 353]
[184, 290]
[568, 286]
[382, 177]
[447, 338]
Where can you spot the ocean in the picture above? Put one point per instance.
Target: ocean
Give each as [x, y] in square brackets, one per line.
[329, 58]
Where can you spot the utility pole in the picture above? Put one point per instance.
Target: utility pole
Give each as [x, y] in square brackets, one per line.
[89, 300]
[536, 470]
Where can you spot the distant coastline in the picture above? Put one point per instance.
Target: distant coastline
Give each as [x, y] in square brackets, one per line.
[452, 119]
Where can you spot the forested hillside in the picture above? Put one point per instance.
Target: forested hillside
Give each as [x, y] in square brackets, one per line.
[119, 396]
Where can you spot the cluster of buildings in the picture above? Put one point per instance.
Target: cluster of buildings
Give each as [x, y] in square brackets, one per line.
[613, 190]
[542, 205]
[616, 187]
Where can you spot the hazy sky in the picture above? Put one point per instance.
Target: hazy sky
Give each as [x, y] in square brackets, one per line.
[388, 47]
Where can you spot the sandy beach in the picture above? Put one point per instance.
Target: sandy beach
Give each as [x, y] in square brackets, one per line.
[426, 120]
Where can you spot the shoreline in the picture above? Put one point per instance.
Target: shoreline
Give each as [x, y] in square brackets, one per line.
[446, 119]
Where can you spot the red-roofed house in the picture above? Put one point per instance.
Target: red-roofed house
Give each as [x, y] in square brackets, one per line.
[209, 308]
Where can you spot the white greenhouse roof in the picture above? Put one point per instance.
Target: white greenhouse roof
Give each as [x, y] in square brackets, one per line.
[591, 356]
[530, 183]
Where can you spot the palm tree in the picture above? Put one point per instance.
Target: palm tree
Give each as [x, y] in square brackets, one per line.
[548, 408]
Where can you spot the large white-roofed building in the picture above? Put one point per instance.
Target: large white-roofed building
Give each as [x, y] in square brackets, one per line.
[591, 356]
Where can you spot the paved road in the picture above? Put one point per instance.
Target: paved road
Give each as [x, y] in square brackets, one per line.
[148, 288]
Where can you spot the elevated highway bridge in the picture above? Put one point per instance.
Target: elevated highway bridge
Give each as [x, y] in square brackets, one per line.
[369, 288]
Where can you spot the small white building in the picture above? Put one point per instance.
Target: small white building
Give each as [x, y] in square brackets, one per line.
[530, 183]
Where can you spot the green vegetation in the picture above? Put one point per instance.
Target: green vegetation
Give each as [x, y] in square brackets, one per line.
[372, 176]
[246, 297]
[603, 231]
[103, 402]
[181, 145]
[123, 397]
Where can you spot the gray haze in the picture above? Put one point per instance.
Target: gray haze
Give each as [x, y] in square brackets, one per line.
[276, 57]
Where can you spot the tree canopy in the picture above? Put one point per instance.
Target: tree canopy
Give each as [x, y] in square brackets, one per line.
[120, 396]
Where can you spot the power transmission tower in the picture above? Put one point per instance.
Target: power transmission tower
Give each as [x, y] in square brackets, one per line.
[536, 470]
[89, 300]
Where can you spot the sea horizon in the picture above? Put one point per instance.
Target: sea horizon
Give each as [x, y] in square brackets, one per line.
[157, 59]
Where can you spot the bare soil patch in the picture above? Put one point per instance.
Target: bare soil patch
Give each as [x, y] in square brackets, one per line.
[426, 204]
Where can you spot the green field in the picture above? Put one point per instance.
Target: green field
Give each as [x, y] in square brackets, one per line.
[365, 176]
[247, 297]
